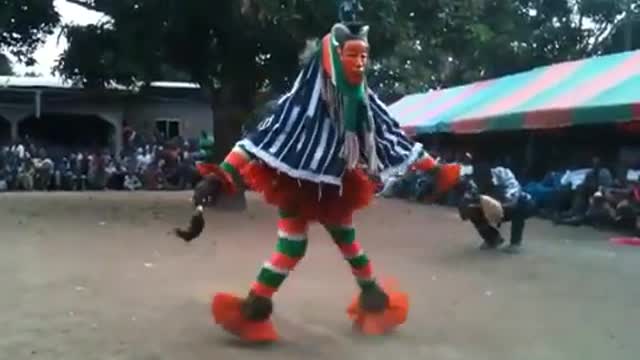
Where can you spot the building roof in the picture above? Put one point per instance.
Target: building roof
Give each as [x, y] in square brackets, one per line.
[25, 81]
[17, 89]
[60, 83]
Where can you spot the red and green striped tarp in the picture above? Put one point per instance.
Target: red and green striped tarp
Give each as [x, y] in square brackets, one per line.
[603, 89]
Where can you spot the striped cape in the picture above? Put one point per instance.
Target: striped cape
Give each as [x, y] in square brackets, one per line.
[300, 139]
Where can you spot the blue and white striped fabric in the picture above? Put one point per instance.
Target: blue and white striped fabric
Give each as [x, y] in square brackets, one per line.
[300, 139]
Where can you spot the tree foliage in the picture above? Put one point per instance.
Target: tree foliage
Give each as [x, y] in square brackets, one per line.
[416, 44]
[624, 34]
[24, 25]
[454, 42]
[235, 48]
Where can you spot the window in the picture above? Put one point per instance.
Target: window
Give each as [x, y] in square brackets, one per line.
[168, 128]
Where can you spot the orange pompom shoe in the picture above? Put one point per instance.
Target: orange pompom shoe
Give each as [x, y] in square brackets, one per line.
[248, 319]
[379, 311]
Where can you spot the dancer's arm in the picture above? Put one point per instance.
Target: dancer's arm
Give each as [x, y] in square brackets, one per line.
[233, 164]
[447, 175]
[226, 178]
[425, 163]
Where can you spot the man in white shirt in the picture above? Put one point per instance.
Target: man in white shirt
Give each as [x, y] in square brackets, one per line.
[494, 196]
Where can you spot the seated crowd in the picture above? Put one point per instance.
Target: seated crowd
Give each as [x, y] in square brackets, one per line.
[576, 196]
[27, 167]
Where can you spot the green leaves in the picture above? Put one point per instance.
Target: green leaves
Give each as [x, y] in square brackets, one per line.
[416, 44]
[24, 25]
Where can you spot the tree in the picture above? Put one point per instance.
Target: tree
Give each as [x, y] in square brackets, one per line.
[471, 40]
[24, 25]
[5, 65]
[235, 48]
[231, 48]
[623, 35]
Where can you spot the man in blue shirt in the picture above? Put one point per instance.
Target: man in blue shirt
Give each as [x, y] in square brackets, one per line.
[493, 196]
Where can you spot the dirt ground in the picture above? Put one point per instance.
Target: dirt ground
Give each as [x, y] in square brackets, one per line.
[98, 276]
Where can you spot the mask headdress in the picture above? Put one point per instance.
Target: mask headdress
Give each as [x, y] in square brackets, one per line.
[350, 31]
[346, 98]
[335, 41]
[348, 10]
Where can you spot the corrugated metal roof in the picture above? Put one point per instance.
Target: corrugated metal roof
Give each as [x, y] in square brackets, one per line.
[60, 83]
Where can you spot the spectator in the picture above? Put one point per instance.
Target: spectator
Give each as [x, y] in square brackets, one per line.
[26, 172]
[595, 179]
[132, 183]
[499, 187]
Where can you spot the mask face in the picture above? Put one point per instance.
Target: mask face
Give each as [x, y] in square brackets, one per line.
[354, 56]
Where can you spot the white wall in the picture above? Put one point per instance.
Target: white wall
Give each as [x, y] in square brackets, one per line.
[194, 117]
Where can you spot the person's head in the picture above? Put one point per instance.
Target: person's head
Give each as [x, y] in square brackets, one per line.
[482, 174]
[596, 162]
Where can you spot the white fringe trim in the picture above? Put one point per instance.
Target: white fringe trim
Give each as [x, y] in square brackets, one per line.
[273, 162]
[401, 169]
[278, 165]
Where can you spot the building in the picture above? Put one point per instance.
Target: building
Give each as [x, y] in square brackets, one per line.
[51, 111]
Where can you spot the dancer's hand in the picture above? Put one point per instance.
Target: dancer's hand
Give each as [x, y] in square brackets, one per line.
[196, 225]
[208, 189]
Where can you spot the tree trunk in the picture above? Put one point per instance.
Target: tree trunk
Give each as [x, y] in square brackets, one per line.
[231, 108]
[225, 117]
[227, 126]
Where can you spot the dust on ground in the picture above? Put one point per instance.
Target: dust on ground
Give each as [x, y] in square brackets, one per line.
[100, 276]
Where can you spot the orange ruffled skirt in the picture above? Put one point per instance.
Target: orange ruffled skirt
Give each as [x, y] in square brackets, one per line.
[314, 202]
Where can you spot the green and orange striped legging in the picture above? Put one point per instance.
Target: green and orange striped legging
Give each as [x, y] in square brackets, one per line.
[292, 246]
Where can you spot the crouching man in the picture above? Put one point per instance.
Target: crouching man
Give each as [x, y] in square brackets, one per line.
[493, 196]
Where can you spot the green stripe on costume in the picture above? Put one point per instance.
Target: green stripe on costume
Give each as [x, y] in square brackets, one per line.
[342, 235]
[359, 261]
[237, 178]
[286, 214]
[271, 278]
[291, 248]
[367, 284]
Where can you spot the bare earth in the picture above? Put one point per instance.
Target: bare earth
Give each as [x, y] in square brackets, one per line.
[98, 276]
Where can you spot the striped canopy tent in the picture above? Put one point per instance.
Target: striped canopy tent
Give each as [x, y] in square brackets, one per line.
[598, 90]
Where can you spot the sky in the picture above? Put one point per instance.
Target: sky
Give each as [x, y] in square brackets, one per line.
[49, 52]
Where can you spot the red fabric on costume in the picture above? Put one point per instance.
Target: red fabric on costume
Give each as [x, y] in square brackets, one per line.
[425, 164]
[205, 169]
[263, 290]
[307, 199]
